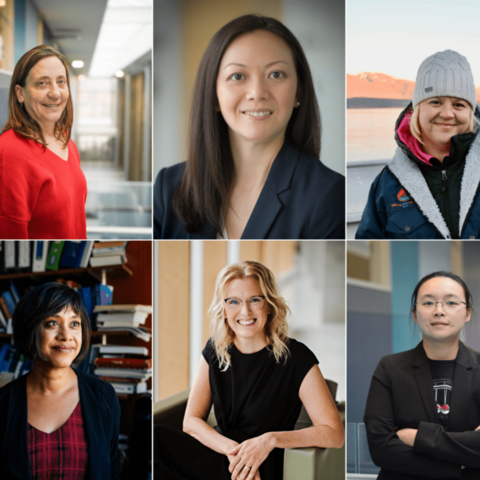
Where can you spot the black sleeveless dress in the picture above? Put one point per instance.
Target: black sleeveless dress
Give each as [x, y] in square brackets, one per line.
[254, 396]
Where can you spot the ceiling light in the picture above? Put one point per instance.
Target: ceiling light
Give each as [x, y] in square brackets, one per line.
[119, 73]
[77, 64]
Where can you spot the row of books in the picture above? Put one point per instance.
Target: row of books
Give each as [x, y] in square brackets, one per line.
[97, 295]
[118, 318]
[42, 255]
[8, 301]
[12, 364]
[98, 303]
[127, 368]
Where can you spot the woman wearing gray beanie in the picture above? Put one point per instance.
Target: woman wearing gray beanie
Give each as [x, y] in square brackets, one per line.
[430, 188]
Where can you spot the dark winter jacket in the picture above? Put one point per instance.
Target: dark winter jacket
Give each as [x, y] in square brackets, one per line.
[413, 200]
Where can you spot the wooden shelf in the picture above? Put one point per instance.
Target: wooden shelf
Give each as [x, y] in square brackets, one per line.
[122, 269]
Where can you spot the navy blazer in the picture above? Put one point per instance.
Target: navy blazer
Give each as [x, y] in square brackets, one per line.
[401, 396]
[101, 417]
[301, 198]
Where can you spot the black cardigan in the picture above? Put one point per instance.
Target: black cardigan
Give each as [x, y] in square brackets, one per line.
[301, 198]
[401, 396]
[101, 416]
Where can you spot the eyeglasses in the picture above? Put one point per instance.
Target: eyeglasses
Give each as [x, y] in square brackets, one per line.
[255, 303]
[451, 305]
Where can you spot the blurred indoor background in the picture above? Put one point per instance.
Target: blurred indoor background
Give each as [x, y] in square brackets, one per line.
[381, 277]
[311, 277]
[182, 31]
[108, 45]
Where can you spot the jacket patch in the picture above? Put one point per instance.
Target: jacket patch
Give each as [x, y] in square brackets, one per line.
[402, 195]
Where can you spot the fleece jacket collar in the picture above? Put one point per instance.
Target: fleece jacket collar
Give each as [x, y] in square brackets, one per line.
[410, 177]
[459, 144]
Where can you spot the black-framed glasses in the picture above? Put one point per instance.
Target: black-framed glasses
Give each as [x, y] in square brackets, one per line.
[255, 303]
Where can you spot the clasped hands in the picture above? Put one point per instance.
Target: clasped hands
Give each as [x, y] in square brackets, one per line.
[246, 458]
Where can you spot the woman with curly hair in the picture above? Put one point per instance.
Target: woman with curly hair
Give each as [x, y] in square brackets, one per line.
[257, 379]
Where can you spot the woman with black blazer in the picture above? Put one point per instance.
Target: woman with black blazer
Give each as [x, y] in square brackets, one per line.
[56, 422]
[423, 409]
[253, 168]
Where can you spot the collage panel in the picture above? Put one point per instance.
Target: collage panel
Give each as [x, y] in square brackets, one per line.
[75, 359]
[249, 114]
[413, 367]
[412, 121]
[75, 112]
[251, 322]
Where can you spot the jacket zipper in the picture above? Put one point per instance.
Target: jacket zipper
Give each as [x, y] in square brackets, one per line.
[477, 192]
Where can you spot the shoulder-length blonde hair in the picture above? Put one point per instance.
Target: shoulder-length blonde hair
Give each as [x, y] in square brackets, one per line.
[415, 123]
[18, 118]
[276, 328]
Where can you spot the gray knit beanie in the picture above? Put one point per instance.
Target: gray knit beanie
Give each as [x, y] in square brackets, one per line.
[444, 74]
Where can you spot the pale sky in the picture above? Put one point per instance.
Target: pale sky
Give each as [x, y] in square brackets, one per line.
[395, 36]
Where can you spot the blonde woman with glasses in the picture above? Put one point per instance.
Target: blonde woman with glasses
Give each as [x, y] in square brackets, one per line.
[423, 409]
[257, 379]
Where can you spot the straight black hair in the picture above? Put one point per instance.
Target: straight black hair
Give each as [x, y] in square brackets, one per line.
[203, 194]
[39, 304]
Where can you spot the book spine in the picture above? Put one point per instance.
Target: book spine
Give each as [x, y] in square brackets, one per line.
[139, 363]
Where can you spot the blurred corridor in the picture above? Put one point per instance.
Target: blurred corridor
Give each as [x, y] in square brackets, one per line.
[108, 46]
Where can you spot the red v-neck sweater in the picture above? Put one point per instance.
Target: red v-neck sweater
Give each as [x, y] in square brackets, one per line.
[41, 195]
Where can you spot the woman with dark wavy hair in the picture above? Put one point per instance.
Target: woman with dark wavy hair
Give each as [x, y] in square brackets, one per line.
[257, 379]
[42, 187]
[56, 422]
[253, 168]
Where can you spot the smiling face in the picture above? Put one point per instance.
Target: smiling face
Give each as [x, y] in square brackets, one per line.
[45, 93]
[247, 321]
[441, 322]
[61, 338]
[257, 87]
[440, 118]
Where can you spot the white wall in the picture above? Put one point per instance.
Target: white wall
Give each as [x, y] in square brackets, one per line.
[319, 26]
[167, 85]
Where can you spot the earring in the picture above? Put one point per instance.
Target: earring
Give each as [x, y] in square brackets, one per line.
[298, 104]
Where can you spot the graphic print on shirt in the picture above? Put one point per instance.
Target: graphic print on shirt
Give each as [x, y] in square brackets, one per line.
[443, 393]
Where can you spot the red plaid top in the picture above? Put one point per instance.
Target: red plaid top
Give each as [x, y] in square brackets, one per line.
[60, 454]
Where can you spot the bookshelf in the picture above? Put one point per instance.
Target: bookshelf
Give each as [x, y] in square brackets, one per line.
[94, 271]
[132, 284]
